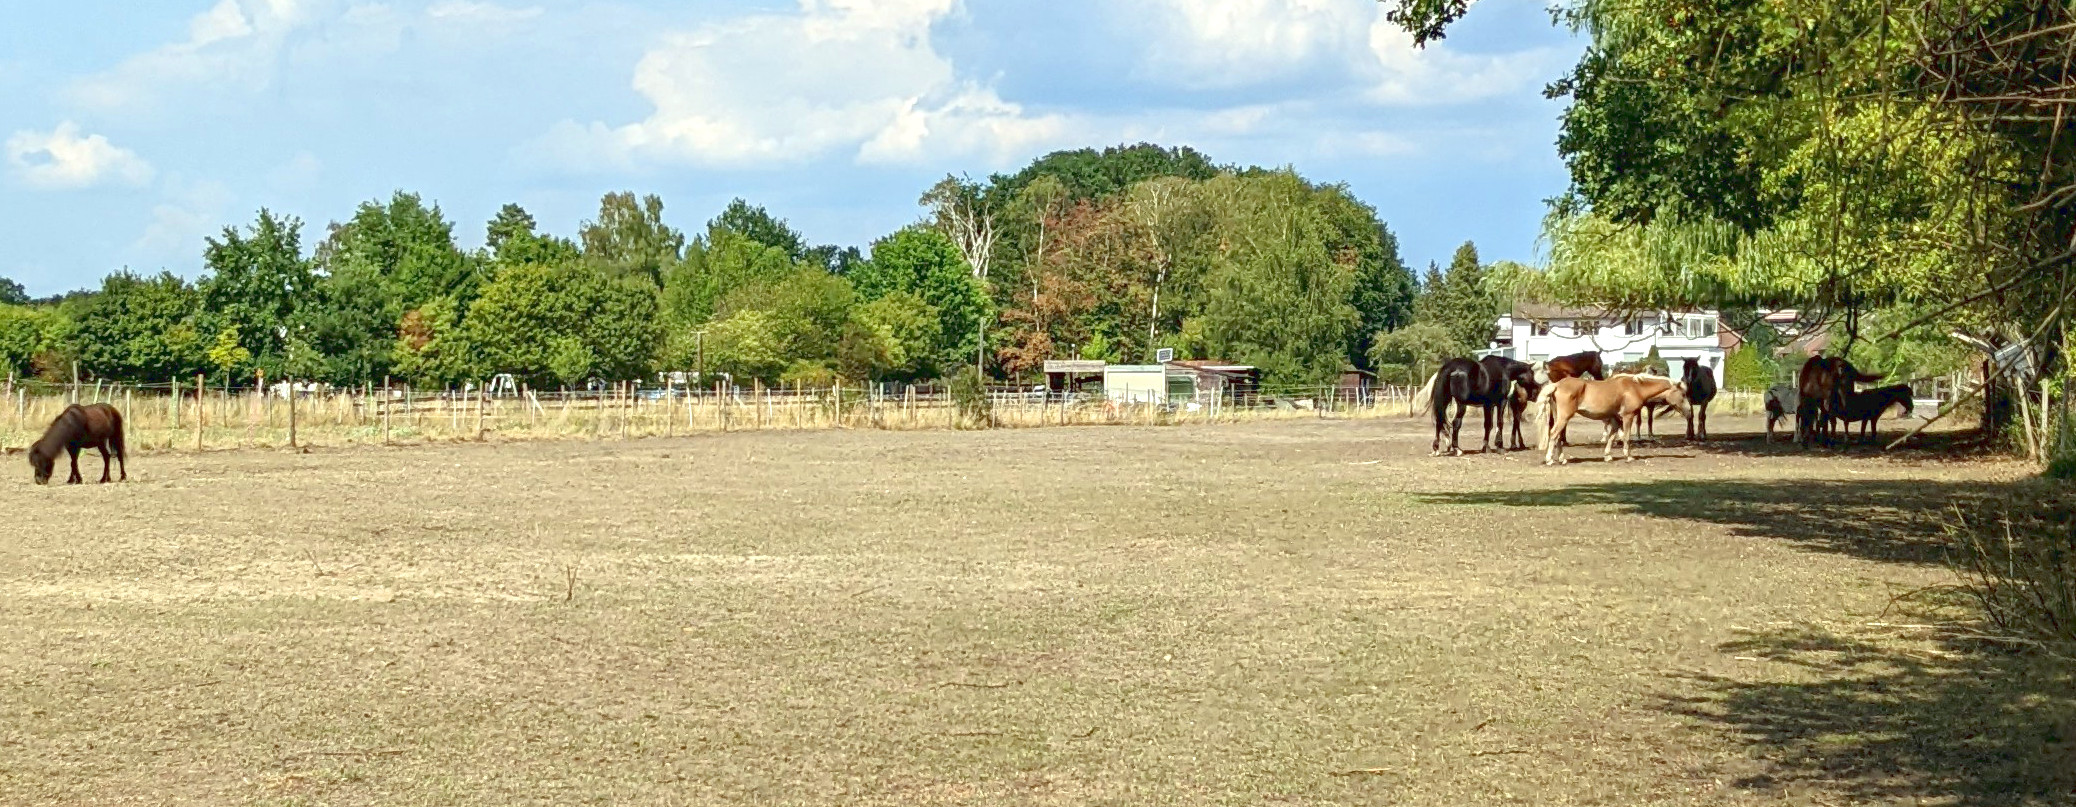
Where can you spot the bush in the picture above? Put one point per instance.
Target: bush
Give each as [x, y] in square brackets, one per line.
[970, 394]
[2022, 566]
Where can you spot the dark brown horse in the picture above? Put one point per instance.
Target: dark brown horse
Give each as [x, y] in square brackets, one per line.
[1585, 364]
[1823, 385]
[1503, 377]
[1868, 407]
[1701, 388]
[96, 426]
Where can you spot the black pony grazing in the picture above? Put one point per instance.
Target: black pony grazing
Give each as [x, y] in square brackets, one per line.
[96, 426]
[1486, 384]
[1701, 388]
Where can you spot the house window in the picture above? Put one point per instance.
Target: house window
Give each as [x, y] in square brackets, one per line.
[1586, 327]
[1699, 326]
[1539, 328]
[1634, 327]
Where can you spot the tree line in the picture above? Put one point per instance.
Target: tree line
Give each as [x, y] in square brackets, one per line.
[1107, 255]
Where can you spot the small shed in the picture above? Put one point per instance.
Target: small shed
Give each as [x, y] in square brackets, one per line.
[1224, 377]
[1068, 375]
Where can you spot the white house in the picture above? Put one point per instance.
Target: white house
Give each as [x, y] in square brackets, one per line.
[1536, 332]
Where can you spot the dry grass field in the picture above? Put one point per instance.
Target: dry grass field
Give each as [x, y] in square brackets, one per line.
[1300, 612]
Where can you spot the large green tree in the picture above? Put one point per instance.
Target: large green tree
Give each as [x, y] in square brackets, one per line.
[1461, 302]
[257, 279]
[409, 245]
[629, 237]
[923, 262]
[530, 311]
[140, 328]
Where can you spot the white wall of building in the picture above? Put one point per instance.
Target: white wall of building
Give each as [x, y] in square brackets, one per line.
[1676, 336]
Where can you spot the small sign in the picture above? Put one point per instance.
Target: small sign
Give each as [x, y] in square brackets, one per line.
[1164, 355]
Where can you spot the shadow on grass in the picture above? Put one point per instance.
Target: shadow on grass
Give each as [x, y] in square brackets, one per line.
[1961, 724]
[1890, 520]
[1875, 719]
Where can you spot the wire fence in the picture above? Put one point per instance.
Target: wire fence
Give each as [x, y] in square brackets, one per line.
[189, 416]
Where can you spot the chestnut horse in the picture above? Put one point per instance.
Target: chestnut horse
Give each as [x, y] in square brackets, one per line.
[1616, 402]
[96, 426]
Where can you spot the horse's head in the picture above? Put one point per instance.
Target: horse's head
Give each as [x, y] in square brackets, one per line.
[1542, 372]
[1675, 396]
[41, 463]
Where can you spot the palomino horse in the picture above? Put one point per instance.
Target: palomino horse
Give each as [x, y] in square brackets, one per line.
[1616, 402]
[1822, 387]
[96, 426]
[1868, 407]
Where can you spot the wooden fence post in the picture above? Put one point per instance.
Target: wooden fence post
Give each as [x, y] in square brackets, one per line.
[385, 410]
[199, 391]
[173, 404]
[291, 382]
[482, 401]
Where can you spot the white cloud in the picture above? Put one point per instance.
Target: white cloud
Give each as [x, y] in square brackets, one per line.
[189, 213]
[837, 76]
[476, 12]
[234, 43]
[1250, 43]
[64, 159]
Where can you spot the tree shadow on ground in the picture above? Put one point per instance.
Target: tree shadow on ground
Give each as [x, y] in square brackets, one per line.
[1953, 723]
[1883, 717]
[1890, 520]
[1966, 445]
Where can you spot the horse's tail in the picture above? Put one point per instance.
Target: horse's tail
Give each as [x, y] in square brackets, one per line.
[1424, 397]
[1438, 397]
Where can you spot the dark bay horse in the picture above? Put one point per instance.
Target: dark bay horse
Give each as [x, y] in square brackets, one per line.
[1503, 376]
[96, 426]
[1701, 388]
[1461, 382]
[1823, 384]
[1868, 407]
[1586, 364]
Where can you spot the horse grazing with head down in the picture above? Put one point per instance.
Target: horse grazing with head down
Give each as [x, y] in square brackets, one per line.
[96, 426]
[1503, 376]
[1617, 402]
[1868, 407]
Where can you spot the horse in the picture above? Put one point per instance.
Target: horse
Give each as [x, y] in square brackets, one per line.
[1648, 419]
[96, 426]
[1460, 381]
[1868, 407]
[1585, 363]
[1700, 389]
[1502, 376]
[1780, 400]
[1822, 386]
[1617, 402]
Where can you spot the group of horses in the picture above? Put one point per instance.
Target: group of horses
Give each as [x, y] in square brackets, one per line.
[1579, 385]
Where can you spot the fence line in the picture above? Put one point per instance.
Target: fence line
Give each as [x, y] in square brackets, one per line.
[174, 415]
[186, 415]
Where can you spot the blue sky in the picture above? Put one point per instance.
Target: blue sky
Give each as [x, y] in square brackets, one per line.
[130, 131]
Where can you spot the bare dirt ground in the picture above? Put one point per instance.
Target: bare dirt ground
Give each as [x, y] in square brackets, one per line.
[1296, 612]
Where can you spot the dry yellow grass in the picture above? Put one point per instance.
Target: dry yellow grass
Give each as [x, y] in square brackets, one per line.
[1305, 612]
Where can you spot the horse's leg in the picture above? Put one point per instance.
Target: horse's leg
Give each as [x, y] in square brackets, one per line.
[75, 478]
[103, 448]
[122, 458]
[1553, 448]
[1456, 430]
[1486, 410]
